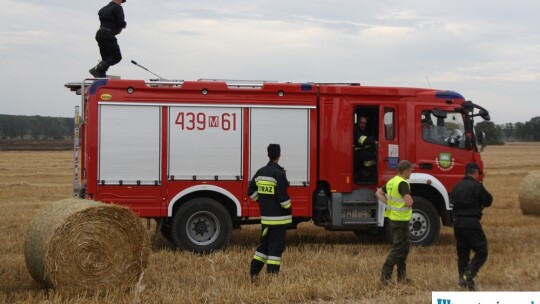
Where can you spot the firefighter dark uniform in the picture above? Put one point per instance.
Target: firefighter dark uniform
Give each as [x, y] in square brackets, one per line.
[112, 22]
[269, 188]
[365, 156]
[399, 215]
[470, 197]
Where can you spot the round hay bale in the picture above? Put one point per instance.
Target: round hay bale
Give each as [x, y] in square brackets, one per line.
[529, 194]
[80, 244]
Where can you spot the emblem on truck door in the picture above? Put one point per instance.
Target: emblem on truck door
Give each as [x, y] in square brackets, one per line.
[445, 161]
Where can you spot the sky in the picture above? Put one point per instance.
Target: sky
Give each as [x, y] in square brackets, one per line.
[488, 51]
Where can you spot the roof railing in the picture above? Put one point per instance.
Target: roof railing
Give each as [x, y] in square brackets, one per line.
[239, 83]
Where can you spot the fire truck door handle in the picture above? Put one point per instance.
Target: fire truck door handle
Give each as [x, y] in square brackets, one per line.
[385, 159]
[425, 166]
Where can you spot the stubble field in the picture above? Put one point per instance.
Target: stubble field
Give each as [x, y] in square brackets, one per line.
[319, 266]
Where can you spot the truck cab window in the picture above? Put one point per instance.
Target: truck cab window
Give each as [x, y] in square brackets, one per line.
[389, 124]
[447, 131]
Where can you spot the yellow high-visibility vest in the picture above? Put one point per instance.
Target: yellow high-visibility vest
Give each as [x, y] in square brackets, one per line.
[396, 210]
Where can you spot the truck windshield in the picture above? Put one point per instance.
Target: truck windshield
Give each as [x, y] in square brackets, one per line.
[448, 131]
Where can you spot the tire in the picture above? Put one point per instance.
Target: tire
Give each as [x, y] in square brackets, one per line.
[201, 225]
[425, 225]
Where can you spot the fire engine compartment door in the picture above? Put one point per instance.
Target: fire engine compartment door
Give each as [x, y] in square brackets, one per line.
[288, 127]
[129, 144]
[205, 143]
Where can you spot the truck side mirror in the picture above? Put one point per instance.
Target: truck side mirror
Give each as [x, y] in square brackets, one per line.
[485, 115]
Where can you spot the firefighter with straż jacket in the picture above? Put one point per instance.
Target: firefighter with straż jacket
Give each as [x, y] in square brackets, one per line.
[112, 22]
[470, 197]
[364, 152]
[268, 187]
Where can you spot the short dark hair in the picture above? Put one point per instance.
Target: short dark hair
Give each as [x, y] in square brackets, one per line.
[470, 168]
[274, 151]
[404, 165]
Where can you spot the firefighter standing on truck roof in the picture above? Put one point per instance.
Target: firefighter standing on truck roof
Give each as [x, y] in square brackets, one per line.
[112, 22]
[268, 187]
[396, 194]
[470, 197]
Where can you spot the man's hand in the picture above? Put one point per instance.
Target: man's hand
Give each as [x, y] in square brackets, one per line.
[408, 200]
[381, 195]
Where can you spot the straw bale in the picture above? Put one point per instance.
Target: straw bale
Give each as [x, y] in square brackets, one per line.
[529, 194]
[81, 244]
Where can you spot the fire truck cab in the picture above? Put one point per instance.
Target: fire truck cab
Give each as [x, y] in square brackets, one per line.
[183, 152]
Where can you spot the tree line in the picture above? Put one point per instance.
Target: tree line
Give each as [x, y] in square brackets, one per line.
[44, 127]
[35, 127]
[519, 131]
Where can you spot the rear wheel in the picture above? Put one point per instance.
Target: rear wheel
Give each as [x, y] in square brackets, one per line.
[201, 225]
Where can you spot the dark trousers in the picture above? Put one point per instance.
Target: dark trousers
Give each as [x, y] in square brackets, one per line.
[398, 253]
[363, 157]
[467, 240]
[109, 50]
[270, 249]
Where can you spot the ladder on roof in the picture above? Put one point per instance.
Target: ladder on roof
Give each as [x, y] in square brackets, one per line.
[76, 146]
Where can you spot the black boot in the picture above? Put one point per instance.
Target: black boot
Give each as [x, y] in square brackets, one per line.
[255, 268]
[462, 282]
[98, 71]
[468, 278]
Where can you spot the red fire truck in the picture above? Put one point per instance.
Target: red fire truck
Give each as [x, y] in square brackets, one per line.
[183, 152]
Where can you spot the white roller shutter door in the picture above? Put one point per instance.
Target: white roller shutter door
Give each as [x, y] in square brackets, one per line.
[129, 144]
[205, 143]
[287, 127]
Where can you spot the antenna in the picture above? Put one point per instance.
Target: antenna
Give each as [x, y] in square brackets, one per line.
[428, 82]
[135, 63]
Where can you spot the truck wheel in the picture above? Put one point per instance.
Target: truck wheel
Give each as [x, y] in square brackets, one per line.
[201, 225]
[425, 224]
[424, 227]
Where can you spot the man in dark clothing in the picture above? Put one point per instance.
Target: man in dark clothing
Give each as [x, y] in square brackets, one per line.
[365, 155]
[268, 187]
[111, 18]
[470, 197]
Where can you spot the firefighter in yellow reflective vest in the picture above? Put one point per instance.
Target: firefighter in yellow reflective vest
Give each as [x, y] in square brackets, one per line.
[396, 194]
[268, 187]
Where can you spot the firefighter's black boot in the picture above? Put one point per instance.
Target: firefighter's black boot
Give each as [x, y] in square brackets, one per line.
[468, 279]
[255, 268]
[462, 282]
[98, 71]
